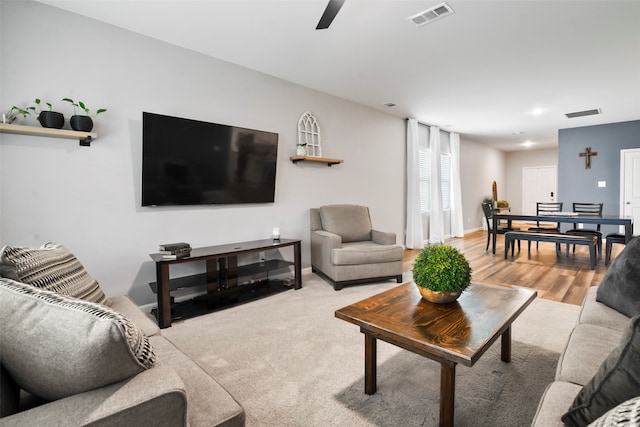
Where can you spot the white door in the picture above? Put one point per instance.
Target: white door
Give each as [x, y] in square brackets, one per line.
[630, 185]
[539, 184]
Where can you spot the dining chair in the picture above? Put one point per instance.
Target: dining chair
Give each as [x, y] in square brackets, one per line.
[611, 239]
[592, 209]
[487, 209]
[545, 226]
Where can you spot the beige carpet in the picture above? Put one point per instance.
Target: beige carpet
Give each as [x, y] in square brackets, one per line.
[290, 362]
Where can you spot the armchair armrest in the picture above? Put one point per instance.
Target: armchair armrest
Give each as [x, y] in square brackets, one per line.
[383, 237]
[322, 242]
[155, 397]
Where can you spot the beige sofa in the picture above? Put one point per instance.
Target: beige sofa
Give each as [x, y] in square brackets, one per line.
[598, 374]
[93, 363]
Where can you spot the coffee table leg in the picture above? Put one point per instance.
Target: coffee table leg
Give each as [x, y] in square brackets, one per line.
[370, 356]
[506, 345]
[447, 393]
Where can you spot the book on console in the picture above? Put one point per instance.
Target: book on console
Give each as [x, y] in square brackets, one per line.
[177, 251]
[176, 256]
[174, 246]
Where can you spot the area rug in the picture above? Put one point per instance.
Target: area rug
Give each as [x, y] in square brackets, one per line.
[290, 362]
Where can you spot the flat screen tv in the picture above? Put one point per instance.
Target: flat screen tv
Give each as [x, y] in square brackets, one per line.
[190, 162]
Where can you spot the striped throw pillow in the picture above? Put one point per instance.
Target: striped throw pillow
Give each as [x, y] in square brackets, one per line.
[52, 267]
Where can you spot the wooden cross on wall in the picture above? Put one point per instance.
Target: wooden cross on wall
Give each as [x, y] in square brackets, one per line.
[588, 155]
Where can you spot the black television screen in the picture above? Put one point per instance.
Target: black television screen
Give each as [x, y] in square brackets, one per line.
[190, 162]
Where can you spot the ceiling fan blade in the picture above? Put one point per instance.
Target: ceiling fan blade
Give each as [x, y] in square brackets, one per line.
[333, 7]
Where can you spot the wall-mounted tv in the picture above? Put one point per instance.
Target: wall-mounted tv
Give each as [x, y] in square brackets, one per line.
[191, 162]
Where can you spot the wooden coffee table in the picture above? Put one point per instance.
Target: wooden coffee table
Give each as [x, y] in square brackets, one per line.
[450, 334]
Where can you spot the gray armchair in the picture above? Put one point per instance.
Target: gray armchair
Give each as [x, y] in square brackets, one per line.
[346, 249]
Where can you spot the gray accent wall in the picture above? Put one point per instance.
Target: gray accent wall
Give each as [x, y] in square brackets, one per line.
[577, 184]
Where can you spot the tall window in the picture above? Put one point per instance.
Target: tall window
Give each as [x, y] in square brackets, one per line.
[425, 180]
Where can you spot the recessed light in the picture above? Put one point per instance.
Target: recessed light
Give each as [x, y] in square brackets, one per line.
[537, 111]
[520, 132]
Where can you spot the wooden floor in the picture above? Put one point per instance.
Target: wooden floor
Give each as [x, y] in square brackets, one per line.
[557, 278]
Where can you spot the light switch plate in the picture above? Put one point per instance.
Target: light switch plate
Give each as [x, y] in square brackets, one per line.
[602, 184]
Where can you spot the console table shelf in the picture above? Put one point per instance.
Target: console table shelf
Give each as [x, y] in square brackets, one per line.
[328, 161]
[221, 278]
[85, 138]
[204, 279]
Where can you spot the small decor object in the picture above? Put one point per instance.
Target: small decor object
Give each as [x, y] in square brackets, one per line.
[82, 122]
[11, 115]
[503, 204]
[309, 135]
[441, 273]
[276, 234]
[49, 118]
[175, 250]
[301, 149]
[588, 153]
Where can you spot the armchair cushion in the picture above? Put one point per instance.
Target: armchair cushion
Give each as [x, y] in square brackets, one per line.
[365, 253]
[55, 346]
[52, 267]
[351, 222]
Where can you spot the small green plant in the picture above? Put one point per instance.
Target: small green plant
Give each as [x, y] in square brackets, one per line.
[301, 144]
[39, 104]
[442, 268]
[80, 105]
[11, 115]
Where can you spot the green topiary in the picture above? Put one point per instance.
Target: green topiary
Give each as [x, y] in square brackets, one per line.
[441, 268]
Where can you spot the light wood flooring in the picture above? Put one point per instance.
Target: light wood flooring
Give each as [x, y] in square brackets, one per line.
[558, 278]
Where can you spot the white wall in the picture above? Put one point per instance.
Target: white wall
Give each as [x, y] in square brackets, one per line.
[516, 161]
[480, 166]
[89, 198]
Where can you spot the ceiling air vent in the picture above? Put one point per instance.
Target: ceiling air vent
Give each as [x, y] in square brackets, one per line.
[431, 14]
[583, 113]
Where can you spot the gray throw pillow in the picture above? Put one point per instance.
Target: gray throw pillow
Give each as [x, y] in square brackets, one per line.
[617, 380]
[626, 414]
[52, 267]
[55, 346]
[620, 286]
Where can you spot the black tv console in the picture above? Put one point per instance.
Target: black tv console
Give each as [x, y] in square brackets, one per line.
[222, 273]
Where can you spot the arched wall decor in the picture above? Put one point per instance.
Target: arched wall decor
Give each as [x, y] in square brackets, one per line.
[309, 134]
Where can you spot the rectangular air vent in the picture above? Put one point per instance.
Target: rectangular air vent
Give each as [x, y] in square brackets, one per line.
[431, 14]
[583, 113]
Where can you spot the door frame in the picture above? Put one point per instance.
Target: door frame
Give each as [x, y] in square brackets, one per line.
[623, 152]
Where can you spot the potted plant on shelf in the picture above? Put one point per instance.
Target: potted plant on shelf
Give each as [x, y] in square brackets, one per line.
[49, 118]
[301, 149]
[441, 273]
[82, 122]
[11, 115]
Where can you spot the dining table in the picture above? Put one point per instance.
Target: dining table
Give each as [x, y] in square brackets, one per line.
[562, 217]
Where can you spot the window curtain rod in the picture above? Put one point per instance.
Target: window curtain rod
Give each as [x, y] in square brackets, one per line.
[420, 123]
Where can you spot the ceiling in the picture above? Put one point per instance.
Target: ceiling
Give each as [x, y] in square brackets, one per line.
[499, 72]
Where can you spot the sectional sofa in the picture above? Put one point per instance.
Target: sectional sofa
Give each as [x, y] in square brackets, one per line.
[598, 375]
[71, 356]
